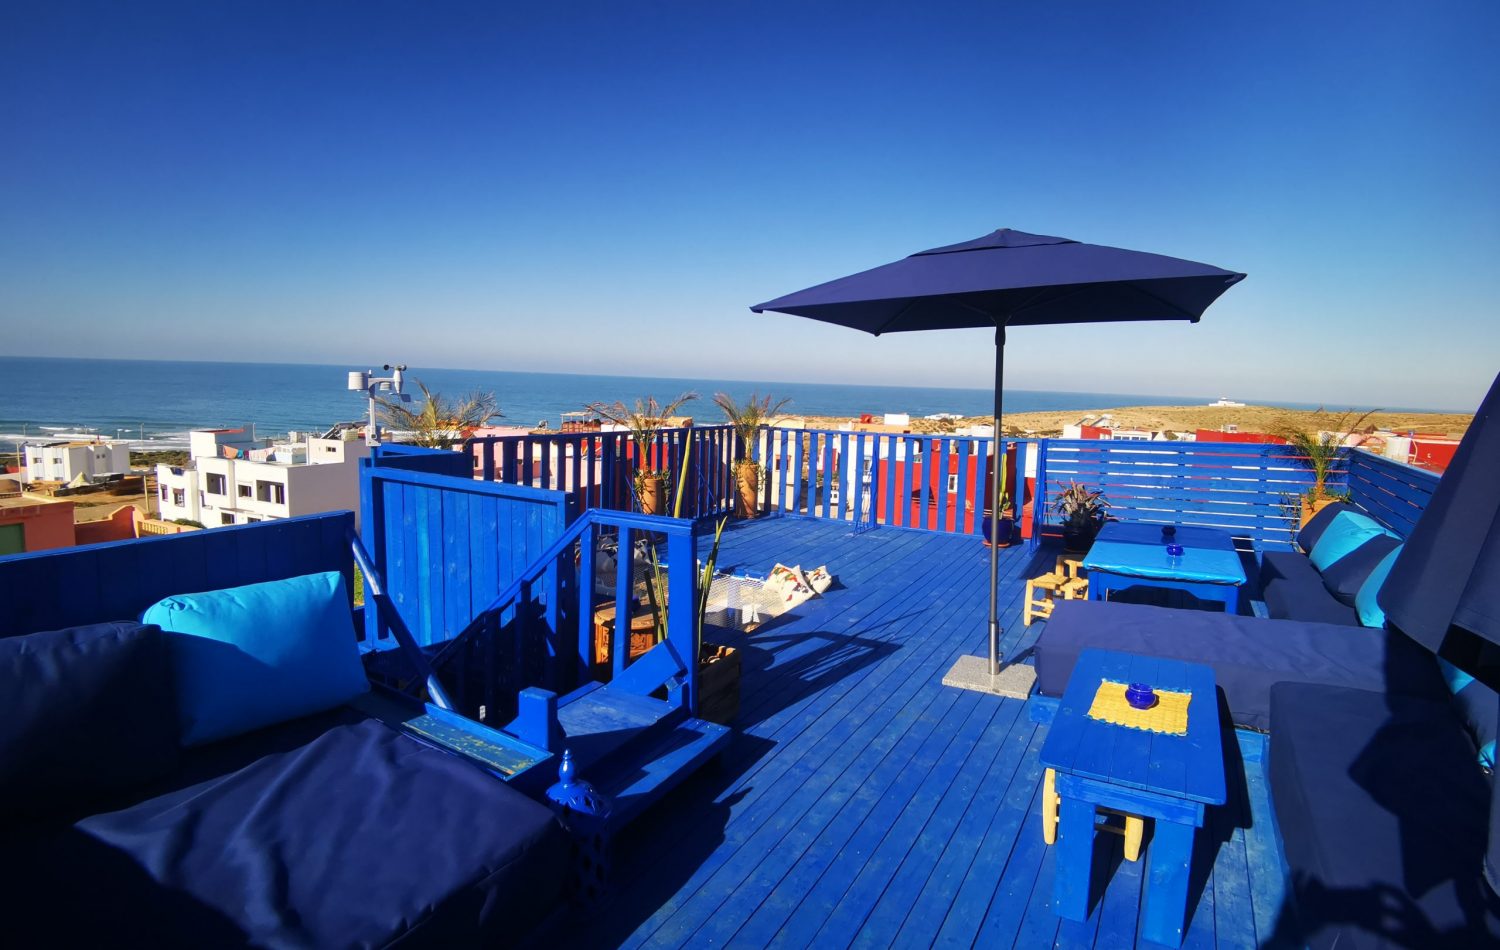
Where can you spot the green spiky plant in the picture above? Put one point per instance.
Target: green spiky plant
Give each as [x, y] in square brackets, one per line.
[1322, 447]
[437, 422]
[644, 420]
[747, 418]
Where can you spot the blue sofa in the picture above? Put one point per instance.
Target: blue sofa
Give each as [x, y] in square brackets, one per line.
[1380, 755]
[328, 830]
[1293, 589]
[324, 828]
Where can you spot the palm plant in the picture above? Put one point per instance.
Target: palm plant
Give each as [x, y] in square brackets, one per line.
[644, 420]
[436, 422]
[1322, 447]
[747, 418]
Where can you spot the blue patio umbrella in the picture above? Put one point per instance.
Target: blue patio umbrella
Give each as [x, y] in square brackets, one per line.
[1446, 581]
[1011, 279]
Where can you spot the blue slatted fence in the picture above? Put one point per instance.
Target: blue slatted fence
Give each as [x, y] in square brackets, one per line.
[1393, 492]
[933, 482]
[47, 590]
[596, 468]
[486, 576]
[1247, 489]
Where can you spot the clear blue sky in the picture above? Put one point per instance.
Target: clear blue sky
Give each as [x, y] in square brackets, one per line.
[606, 188]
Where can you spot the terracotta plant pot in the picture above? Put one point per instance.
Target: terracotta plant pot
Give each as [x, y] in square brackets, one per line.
[653, 495]
[1311, 508]
[747, 501]
[718, 683]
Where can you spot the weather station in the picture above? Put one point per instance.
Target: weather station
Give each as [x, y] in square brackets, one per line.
[372, 386]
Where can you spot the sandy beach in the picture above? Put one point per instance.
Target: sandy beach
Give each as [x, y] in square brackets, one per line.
[1189, 419]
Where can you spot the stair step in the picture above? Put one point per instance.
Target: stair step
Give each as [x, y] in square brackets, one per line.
[659, 766]
[605, 721]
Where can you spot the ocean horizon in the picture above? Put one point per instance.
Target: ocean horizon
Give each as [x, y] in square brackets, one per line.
[155, 403]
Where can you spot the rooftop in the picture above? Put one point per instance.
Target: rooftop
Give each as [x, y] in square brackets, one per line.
[863, 803]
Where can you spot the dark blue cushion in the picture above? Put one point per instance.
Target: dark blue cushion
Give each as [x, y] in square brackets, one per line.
[1293, 590]
[1318, 523]
[252, 656]
[1248, 654]
[83, 712]
[329, 831]
[1383, 813]
[1347, 575]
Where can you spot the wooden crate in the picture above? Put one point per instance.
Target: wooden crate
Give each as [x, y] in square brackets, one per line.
[642, 636]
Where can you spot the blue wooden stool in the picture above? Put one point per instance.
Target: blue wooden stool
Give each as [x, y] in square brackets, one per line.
[1139, 773]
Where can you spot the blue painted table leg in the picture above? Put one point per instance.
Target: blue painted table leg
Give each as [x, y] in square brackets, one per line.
[1164, 908]
[1075, 854]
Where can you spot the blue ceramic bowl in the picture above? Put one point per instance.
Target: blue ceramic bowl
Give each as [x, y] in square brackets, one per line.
[1140, 695]
[1174, 550]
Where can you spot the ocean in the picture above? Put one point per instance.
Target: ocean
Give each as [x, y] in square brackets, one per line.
[155, 403]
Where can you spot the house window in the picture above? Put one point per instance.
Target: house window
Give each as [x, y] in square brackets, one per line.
[246, 491]
[216, 484]
[252, 521]
[274, 492]
[179, 498]
[163, 489]
[952, 484]
[226, 518]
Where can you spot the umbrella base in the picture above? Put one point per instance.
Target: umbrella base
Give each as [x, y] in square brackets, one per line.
[1014, 681]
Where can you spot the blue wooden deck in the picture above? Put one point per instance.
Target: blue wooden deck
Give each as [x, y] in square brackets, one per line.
[864, 804]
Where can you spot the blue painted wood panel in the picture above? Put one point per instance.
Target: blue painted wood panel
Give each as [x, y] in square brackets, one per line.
[47, 590]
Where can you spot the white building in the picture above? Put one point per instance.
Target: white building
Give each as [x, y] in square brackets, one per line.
[233, 480]
[65, 461]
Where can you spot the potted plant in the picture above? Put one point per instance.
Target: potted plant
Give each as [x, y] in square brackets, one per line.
[1322, 449]
[1006, 527]
[1083, 512]
[747, 418]
[644, 420]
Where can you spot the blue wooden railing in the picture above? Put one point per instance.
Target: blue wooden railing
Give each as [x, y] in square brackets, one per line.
[933, 482]
[596, 468]
[1394, 492]
[494, 582]
[1250, 490]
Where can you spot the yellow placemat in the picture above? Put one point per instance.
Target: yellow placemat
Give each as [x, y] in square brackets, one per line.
[1169, 715]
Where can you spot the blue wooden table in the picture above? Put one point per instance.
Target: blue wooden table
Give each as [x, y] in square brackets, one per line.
[1164, 777]
[1127, 554]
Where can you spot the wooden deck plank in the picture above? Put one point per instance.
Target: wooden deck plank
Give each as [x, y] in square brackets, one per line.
[788, 769]
[909, 881]
[864, 803]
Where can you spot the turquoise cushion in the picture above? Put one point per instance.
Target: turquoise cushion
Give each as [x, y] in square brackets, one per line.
[1365, 601]
[1478, 706]
[1345, 533]
[248, 657]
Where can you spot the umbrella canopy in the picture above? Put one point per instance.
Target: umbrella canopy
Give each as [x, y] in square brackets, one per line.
[1448, 574]
[1010, 279]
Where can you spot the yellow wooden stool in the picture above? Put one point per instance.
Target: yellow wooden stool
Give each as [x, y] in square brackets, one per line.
[1133, 829]
[1062, 580]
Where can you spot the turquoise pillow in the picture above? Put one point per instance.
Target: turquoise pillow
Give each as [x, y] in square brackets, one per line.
[1366, 602]
[1345, 533]
[1478, 707]
[248, 657]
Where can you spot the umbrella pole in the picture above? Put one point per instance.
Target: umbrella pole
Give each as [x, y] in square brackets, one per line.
[998, 457]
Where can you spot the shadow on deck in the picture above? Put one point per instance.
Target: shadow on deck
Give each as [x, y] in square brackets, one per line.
[863, 803]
